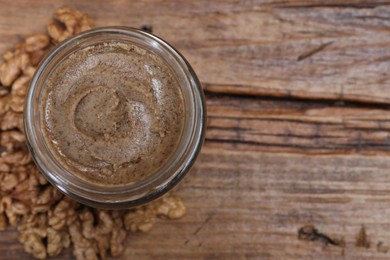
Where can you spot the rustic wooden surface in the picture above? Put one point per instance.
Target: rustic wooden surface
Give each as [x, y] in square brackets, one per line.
[298, 96]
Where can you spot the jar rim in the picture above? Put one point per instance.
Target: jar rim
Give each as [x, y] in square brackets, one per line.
[123, 196]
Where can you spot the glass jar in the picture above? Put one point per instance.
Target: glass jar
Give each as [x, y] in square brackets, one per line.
[134, 194]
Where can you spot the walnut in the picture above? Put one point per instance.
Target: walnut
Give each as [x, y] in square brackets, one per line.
[12, 120]
[27, 189]
[40, 240]
[109, 237]
[63, 214]
[17, 103]
[6, 207]
[103, 245]
[32, 231]
[105, 223]
[45, 199]
[87, 220]
[36, 57]
[83, 248]
[24, 191]
[33, 244]
[171, 207]
[38, 177]
[107, 233]
[4, 167]
[118, 242]
[8, 182]
[33, 224]
[4, 104]
[24, 61]
[67, 23]
[20, 86]
[36, 42]
[11, 137]
[143, 218]
[8, 55]
[19, 49]
[140, 219]
[56, 241]
[20, 172]
[118, 237]
[97, 234]
[10, 71]
[45, 196]
[11, 140]
[17, 158]
[20, 208]
[30, 70]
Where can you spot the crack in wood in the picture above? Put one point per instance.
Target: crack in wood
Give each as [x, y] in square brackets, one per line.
[286, 134]
[310, 233]
[205, 222]
[291, 120]
[381, 247]
[373, 17]
[313, 51]
[291, 99]
[366, 5]
[345, 148]
[362, 238]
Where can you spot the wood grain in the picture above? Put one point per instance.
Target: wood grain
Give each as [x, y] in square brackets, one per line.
[309, 127]
[245, 204]
[252, 47]
[298, 98]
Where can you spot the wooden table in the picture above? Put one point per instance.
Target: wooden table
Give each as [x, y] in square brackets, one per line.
[298, 97]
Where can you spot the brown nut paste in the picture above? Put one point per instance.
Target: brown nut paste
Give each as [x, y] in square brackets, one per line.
[112, 113]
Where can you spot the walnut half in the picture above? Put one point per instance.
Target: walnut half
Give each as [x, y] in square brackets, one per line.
[68, 22]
